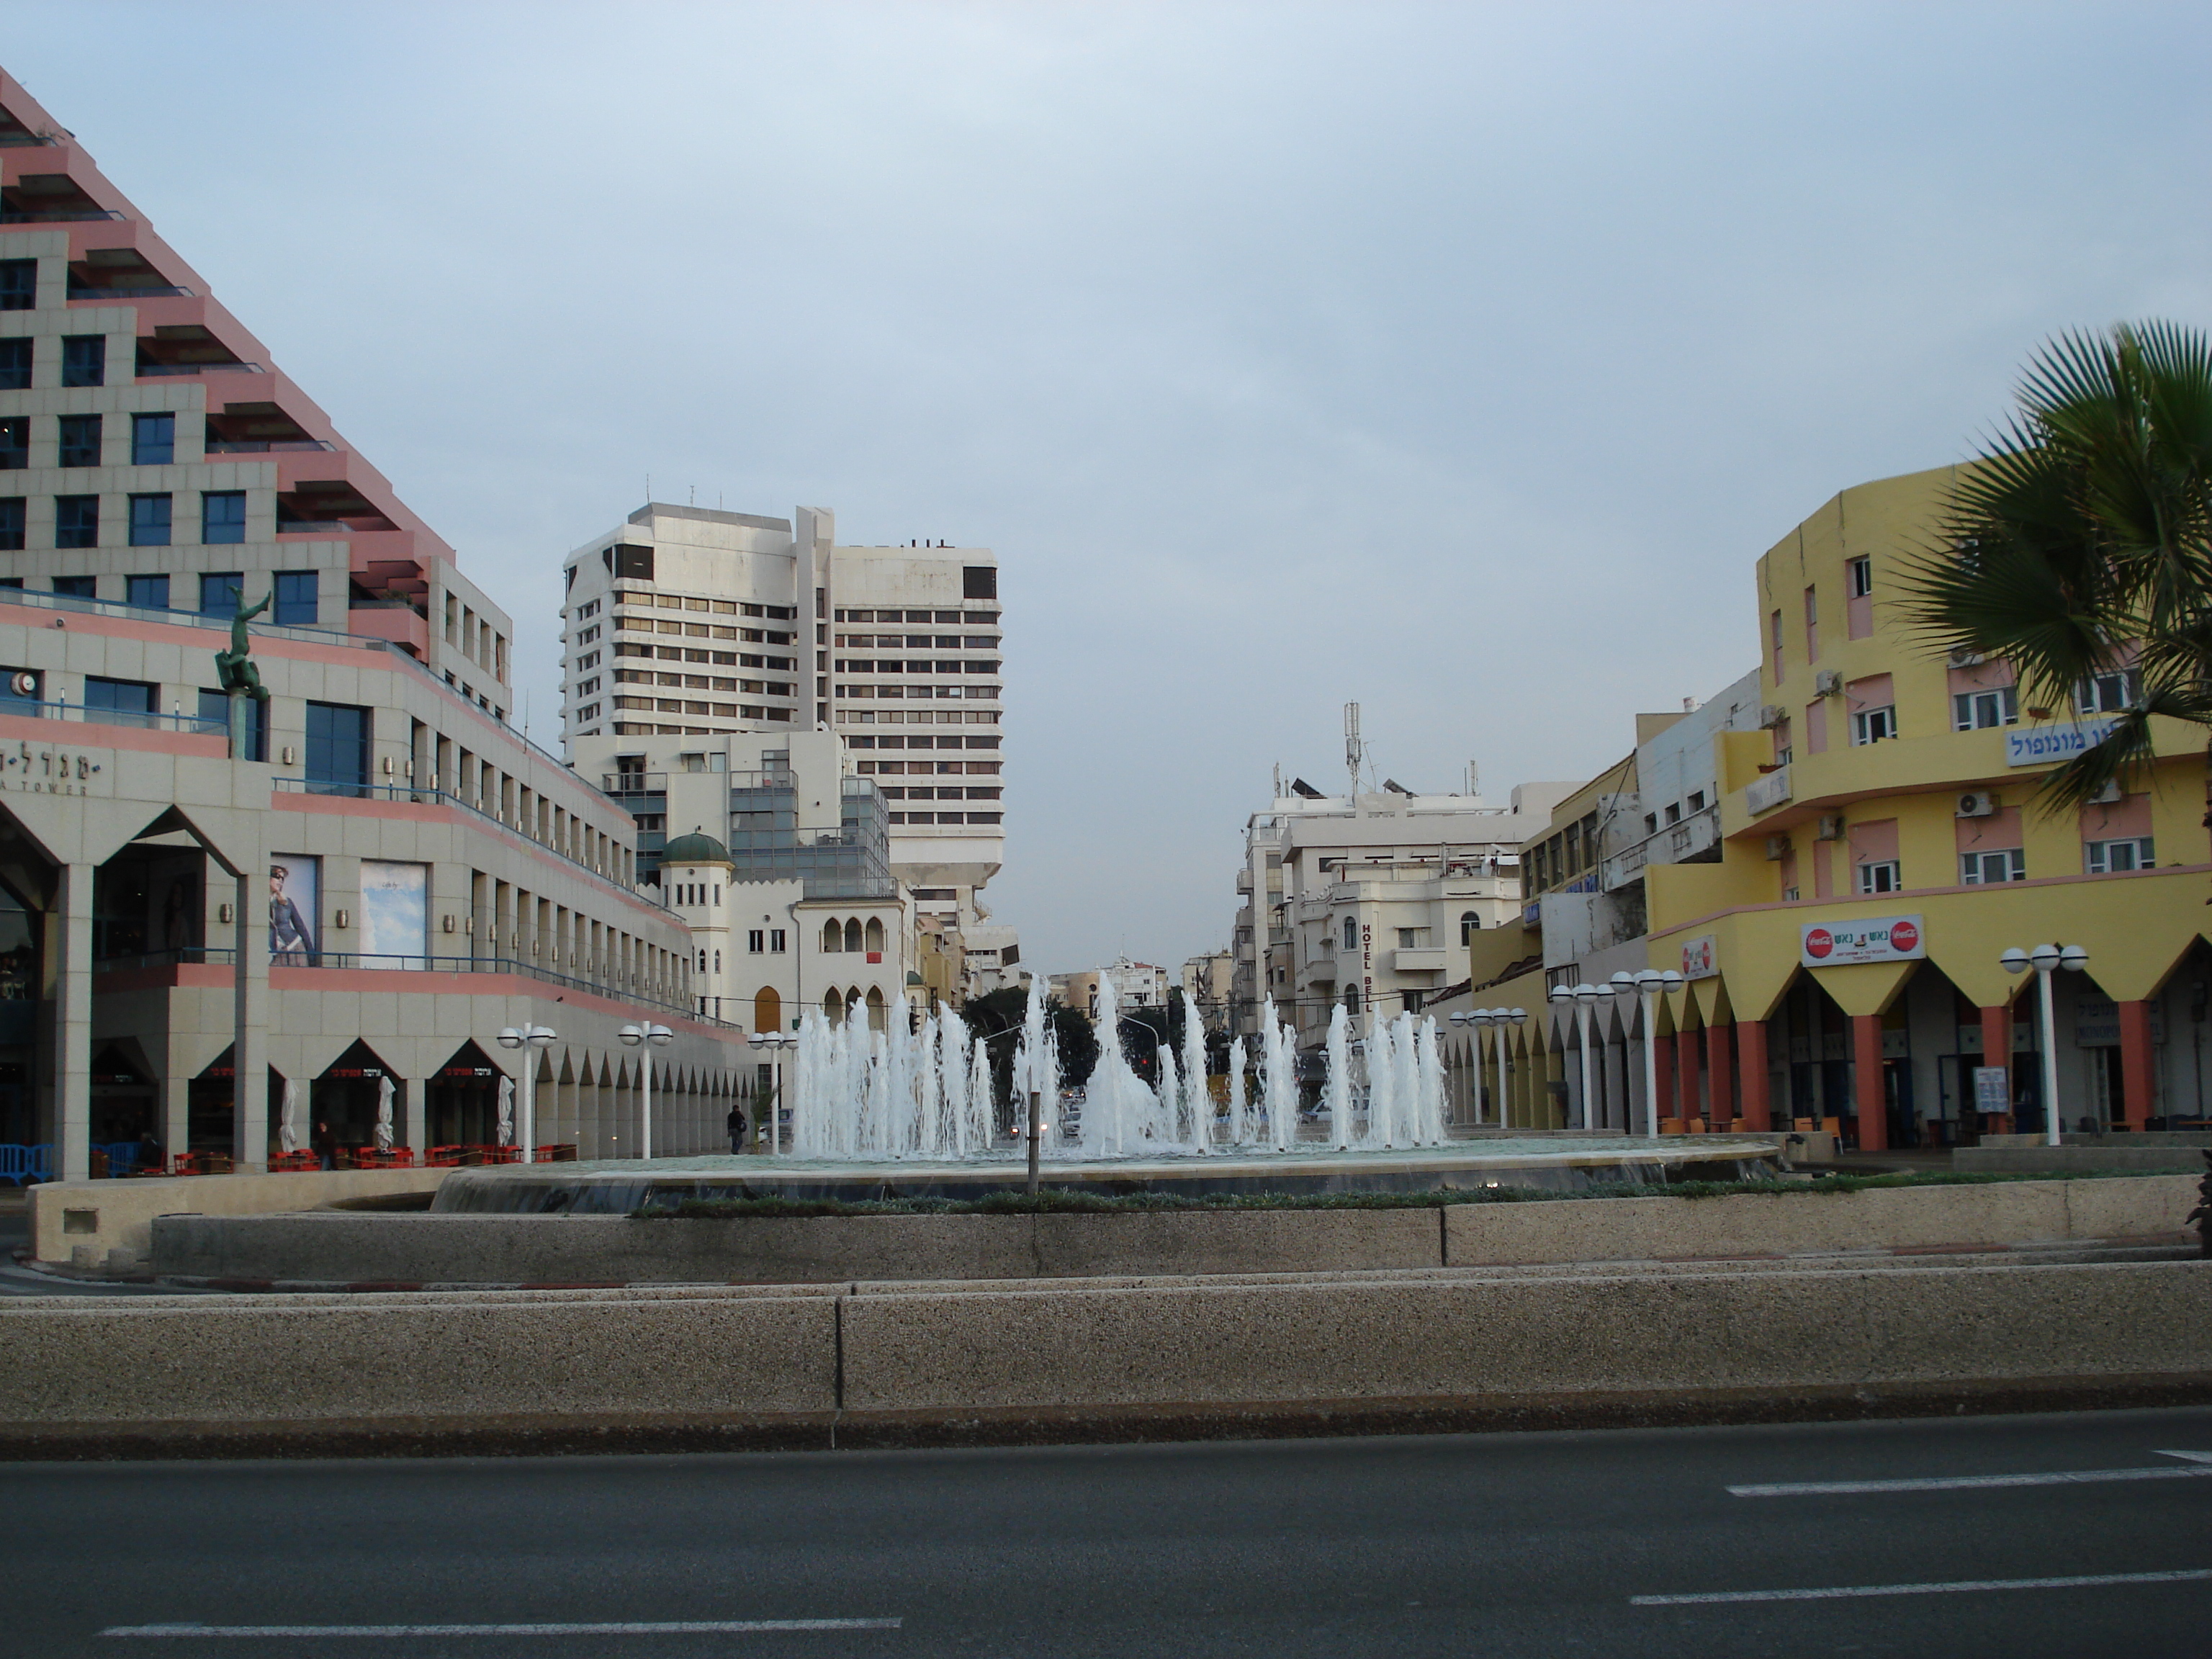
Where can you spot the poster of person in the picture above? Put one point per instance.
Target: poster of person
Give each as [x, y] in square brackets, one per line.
[295, 891]
[395, 913]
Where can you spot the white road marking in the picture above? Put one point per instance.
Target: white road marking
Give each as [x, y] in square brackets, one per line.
[1962, 1482]
[2194, 1575]
[691, 1627]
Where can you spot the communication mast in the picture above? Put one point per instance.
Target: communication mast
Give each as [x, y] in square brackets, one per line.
[1353, 750]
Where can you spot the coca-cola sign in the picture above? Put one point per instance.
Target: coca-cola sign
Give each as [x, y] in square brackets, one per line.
[1876, 939]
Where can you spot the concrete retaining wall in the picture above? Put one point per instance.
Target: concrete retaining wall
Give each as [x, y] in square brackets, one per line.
[2121, 1152]
[100, 1216]
[77, 1374]
[344, 1247]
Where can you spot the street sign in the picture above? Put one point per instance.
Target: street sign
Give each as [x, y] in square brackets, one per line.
[1990, 1091]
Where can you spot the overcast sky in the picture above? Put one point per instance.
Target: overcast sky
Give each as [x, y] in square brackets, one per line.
[1458, 360]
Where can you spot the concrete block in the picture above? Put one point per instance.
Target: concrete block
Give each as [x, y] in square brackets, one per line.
[2143, 1207]
[2114, 1155]
[206, 1362]
[1234, 1242]
[122, 1212]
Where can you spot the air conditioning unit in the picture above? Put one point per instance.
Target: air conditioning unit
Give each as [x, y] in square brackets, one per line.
[1831, 827]
[2111, 792]
[1977, 803]
[1771, 714]
[1965, 659]
[1778, 847]
[1828, 683]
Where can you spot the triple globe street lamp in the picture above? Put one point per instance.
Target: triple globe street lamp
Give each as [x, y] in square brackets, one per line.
[776, 1044]
[1484, 1019]
[2046, 960]
[647, 1036]
[531, 1040]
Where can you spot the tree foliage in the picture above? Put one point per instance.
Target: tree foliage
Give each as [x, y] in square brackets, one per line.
[2079, 541]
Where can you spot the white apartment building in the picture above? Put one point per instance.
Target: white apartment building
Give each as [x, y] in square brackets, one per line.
[777, 859]
[688, 622]
[1367, 900]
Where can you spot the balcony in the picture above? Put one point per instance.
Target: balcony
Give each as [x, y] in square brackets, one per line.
[265, 446]
[1417, 959]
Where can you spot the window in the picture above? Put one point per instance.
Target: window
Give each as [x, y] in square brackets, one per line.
[1673, 814]
[1976, 711]
[295, 603]
[1873, 724]
[629, 562]
[215, 711]
[1858, 577]
[1696, 800]
[979, 581]
[1351, 1000]
[222, 516]
[14, 364]
[14, 444]
[1650, 823]
[76, 521]
[147, 592]
[221, 592]
[84, 359]
[80, 440]
[1351, 934]
[757, 941]
[152, 439]
[2108, 694]
[118, 703]
[1413, 939]
[150, 520]
[775, 941]
[1469, 923]
[76, 588]
[1986, 869]
[2112, 858]
[337, 749]
[11, 525]
[19, 284]
[1883, 877]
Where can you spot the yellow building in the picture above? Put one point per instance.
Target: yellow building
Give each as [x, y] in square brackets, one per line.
[1881, 846]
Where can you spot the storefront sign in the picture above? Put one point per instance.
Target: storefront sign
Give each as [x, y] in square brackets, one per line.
[1698, 958]
[2046, 746]
[1878, 939]
[2096, 1023]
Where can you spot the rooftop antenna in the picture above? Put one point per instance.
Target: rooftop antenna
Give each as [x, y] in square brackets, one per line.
[1474, 778]
[1278, 795]
[1353, 748]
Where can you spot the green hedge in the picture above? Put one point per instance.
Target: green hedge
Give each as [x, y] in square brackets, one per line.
[1053, 1200]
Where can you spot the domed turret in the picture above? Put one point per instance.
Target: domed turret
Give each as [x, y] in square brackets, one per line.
[697, 847]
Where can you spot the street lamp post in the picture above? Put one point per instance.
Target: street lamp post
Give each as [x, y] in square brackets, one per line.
[777, 1043]
[529, 1040]
[1650, 983]
[647, 1036]
[2047, 960]
[1586, 996]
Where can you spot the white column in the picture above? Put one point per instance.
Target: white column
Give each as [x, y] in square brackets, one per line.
[249, 1044]
[72, 1092]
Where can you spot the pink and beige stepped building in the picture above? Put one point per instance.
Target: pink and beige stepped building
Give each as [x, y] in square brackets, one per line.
[389, 875]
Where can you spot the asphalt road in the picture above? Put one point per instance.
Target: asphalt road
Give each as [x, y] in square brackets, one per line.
[1476, 1545]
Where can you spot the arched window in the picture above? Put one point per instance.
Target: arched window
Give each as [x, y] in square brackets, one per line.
[833, 936]
[1468, 922]
[1351, 934]
[768, 1009]
[832, 1005]
[852, 933]
[1351, 1000]
[875, 935]
[703, 962]
[875, 1008]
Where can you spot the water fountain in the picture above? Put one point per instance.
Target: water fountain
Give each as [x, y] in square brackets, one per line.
[910, 1109]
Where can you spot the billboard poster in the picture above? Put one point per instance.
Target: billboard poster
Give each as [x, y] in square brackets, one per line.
[395, 913]
[296, 909]
[1876, 939]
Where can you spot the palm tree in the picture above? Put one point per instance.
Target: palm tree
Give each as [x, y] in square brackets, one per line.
[2079, 542]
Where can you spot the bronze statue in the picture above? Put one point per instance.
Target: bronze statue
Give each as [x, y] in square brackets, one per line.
[235, 668]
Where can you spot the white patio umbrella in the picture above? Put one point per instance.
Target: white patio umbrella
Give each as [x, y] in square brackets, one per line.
[288, 1117]
[506, 1111]
[383, 1115]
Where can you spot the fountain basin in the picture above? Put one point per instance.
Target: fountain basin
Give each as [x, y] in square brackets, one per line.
[1553, 1163]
